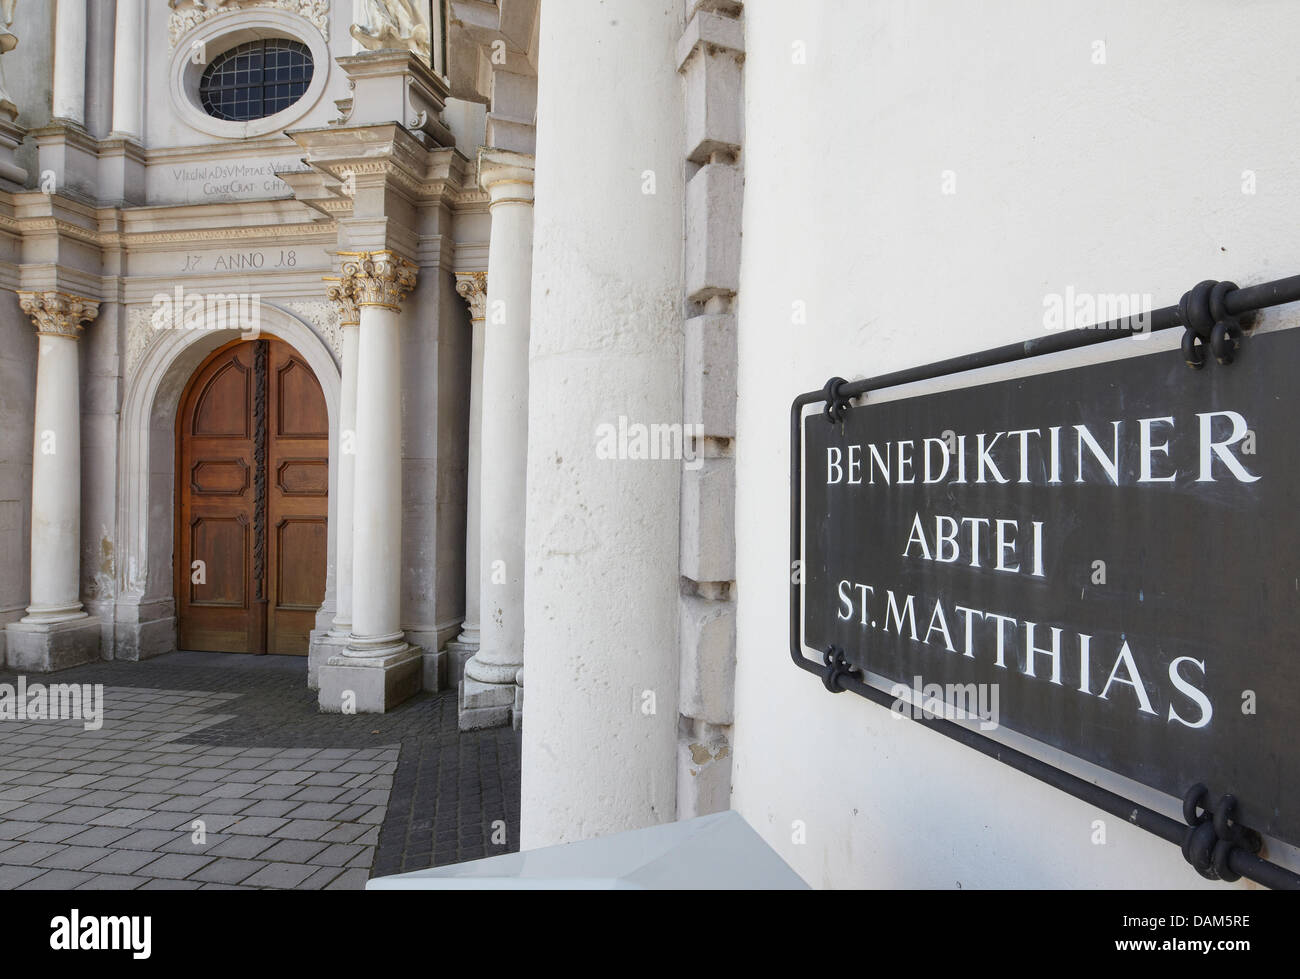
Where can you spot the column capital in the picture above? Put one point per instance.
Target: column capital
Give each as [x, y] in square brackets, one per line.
[472, 287]
[506, 176]
[379, 278]
[342, 293]
[58, 313]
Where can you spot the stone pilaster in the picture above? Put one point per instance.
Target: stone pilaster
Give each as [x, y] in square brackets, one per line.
[325, 643]
[56, 632]
[378, 669]
[472, 288]
[487, 692]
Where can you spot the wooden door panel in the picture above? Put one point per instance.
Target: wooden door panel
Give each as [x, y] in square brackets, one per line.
[215, 506]
[299, 403]
[303, 477]
[220, 411]
[223, 578]
[297, 500]
[252, 501]
[219, 477]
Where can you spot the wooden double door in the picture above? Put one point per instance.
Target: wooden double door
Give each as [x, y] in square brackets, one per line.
[252, 486]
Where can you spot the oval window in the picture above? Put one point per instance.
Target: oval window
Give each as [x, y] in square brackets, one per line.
[256, 79]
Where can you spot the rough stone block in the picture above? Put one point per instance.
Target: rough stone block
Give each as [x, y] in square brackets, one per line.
[703, 777]
[321, 646]
[46, 647]
[713, 203]
[707, 683]
[144, 640]
[709, 59]
[709, 374]
[483, 705]
[708, 534]
[731, 9]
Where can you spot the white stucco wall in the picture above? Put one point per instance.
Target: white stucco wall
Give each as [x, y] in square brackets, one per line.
[1124, 177]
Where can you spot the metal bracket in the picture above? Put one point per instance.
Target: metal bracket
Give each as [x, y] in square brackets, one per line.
[837, 666]
[836, 402]
[1211, 836]
[1203, 312]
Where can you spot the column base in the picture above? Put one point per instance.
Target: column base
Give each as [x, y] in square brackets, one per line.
[321, 645]
[483, 705]
[144, 640]
[459, 653]
[356, 685]
[44, 647]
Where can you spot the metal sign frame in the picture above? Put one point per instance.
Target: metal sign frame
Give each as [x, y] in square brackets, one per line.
[1211, 841]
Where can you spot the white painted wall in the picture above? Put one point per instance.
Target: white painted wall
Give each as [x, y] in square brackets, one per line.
[1117, 177]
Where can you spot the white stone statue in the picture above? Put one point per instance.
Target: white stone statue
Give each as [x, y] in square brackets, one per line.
[402, 24]
[7, 43]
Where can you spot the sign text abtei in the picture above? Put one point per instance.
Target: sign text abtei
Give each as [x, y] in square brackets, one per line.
[1116, 547]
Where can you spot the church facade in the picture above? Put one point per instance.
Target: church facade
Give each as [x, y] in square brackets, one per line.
[450, 345]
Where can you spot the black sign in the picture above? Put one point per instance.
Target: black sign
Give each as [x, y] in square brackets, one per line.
[1105, 559]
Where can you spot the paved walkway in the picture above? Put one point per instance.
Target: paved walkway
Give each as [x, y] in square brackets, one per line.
[214, 770]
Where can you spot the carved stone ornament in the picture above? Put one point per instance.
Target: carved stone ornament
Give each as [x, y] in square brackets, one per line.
[58, 313]
[342, 293]
[187, 14]
[473, 289]
[380, 278]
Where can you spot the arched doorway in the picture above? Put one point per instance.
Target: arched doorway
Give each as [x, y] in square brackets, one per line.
[252, 497]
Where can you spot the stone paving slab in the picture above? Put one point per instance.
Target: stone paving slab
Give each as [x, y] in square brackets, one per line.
[216, 771]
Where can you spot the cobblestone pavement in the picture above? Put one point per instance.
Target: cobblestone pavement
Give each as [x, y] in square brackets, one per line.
[214, 770]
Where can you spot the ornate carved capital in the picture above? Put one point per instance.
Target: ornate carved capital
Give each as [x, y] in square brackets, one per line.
[342, 294]
[473, 289]
[378, 278]
[58, 313]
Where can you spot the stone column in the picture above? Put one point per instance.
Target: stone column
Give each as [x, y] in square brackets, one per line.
[473, 289]
[599, 748]
[128, 70]
[487, 693]
[326, 644]
[70, 61]
[56, 632]
[379, 668]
